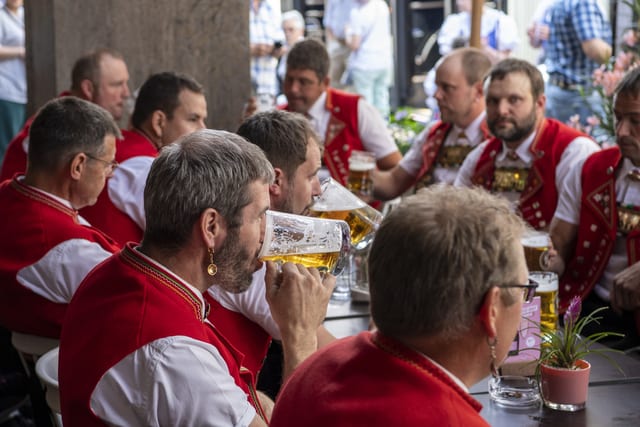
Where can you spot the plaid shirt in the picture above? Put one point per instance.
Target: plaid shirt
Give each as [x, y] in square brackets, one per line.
[264, 27]
[572, 22]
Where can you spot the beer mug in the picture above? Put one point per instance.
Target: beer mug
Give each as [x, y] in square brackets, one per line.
[536, 249]
[547, 290]
[336, 202]
[361, 163]
[312, 242]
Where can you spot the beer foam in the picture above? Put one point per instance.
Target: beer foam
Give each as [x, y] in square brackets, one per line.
[547, 281]
[361, 166]
[535, 241]
[339, 202]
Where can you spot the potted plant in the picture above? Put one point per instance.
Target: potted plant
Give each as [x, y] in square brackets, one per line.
[563, 373]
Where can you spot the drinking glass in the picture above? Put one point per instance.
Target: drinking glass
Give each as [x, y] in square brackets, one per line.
[361, 163]
[312, 242]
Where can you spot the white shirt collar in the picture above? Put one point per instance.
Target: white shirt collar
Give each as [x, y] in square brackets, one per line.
[453, 377]
[317, 109]
[523, 149]
[473, 132]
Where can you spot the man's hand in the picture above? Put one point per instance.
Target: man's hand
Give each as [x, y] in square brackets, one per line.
[261, 49]
[298, 298]
[625, 295]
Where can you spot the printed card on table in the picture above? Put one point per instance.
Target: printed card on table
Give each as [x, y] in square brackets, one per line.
[525, 349]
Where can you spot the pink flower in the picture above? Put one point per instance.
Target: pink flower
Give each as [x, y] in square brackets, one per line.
[572, 313]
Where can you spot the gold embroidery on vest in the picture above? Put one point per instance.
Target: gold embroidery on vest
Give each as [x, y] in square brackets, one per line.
[509, 179]
[628, 219]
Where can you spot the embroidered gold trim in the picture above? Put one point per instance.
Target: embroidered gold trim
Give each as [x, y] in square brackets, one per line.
[452, 156]
[510, 179]
[628, 219]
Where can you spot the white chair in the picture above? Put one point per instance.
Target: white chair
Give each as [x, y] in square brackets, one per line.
[47, 371]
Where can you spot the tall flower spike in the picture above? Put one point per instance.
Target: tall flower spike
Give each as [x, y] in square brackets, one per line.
[572, 313]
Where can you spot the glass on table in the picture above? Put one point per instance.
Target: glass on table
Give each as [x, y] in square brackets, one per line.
[361, 164]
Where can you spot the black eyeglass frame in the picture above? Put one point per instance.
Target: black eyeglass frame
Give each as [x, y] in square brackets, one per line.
[530, 289]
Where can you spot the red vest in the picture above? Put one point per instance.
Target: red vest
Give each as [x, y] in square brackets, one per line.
[342, 136]
[372, 380]
[245, 335]
[137, 304]
[597, 228]
[539, 199]
[34, 224]
[434, 141]
[104, 214]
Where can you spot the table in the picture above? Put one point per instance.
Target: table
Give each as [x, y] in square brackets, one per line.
[614, 398]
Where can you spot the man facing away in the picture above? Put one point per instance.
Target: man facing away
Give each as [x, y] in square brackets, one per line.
[439, 150]
[168, 106]
[152, 357]
[529, 157]
[46, 248]
[292, 148]
[344, 121]
[101, 77]
[595, 228]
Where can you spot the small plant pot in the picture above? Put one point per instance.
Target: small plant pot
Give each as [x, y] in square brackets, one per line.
[565, 389]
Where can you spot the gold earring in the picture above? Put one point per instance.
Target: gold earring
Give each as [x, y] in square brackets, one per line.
[212, 269]
[492, 342]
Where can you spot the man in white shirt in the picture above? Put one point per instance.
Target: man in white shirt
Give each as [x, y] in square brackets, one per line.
[336, 17]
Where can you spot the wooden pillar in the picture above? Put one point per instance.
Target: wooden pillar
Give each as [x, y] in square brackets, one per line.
[207, 39]
[476, 22]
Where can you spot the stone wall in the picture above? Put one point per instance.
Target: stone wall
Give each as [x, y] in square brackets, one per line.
[208, 39]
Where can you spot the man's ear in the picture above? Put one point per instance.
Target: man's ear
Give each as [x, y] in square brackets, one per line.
[158, 121]
[77, 165]
[275, 189]
[88, 89]
[488, 313]
[211, 226]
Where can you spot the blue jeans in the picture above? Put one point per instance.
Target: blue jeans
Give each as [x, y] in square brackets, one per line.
[562, 104]
[374, 87]
[12, 117]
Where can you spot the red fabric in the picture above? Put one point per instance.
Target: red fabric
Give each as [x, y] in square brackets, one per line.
[15, 158]
[342, 136]
[597, 228]
[35, 223]
[104, 214]
[140, 304]
[539, 199]
[372, 380]
[245, 335]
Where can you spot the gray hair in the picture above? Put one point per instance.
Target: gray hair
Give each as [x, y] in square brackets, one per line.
[64, 127]
[205, 169]
[436, 256]
[294, 16]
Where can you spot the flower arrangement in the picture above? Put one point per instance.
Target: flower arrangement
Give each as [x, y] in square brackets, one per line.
[565, 346]
[405, 123]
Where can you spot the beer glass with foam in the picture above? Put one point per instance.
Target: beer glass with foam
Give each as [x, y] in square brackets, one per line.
[361, 163]
[547, 290]
[536, 249]
[312, 242]
[336, 202]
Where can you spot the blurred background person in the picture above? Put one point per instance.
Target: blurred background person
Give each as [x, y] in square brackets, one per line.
[336, 16]
[265, 41]
[13, 74]
[538, 30]
[293, 28]
[498, 31]
[368, 36]
[579, 41]
[447, 285]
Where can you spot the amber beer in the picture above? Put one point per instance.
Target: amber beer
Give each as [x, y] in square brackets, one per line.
[322, 261]
[361, 163]
[362, 221]
[536, 250]
[548, 292]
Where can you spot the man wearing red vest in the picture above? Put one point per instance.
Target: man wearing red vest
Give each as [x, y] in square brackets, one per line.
[100, 77]
[595, 228]
[46, 248]
[344, 121]
[291, 146]
[530, 156]
[137, 346]
[168, 106]
[440, 149]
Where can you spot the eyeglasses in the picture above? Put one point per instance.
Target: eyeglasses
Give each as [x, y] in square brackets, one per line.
[528, 290]
[112, 165]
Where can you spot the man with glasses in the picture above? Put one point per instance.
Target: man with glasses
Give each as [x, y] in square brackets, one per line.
[168, 106]
[46, 248]
[446, 285]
